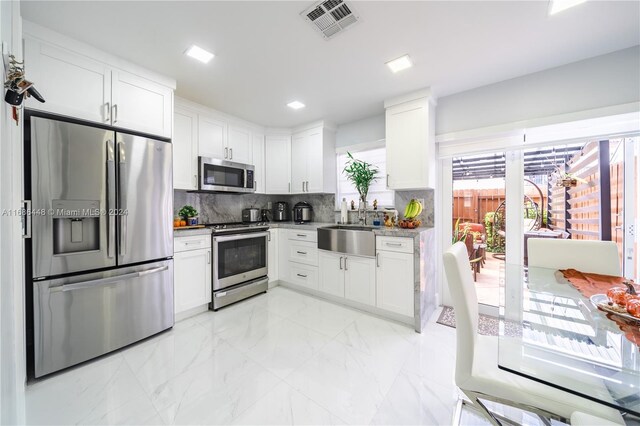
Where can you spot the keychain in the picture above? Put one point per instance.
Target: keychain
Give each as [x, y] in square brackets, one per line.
[18, 87]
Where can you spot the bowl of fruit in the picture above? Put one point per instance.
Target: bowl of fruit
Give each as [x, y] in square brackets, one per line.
[411, 212]
[620, 301]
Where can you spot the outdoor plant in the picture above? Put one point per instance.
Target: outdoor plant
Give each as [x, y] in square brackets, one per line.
[459, 235]
[495, 242]
[187, 212]
[361, 174]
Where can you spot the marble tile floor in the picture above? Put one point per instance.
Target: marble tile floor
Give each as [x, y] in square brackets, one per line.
[278, 358]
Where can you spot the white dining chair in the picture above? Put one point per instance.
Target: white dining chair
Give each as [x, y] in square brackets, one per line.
[477, 373]
[579, 418]
[598, 257]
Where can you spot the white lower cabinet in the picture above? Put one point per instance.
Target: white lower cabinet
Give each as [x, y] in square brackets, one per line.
[395, 282]
[360, 279]
[272, 254]
[351, 277]
[192, 272]
[331, 273]
[303, 275]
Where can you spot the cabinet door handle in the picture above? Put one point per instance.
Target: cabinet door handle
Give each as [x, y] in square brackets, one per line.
[394, 244]
[301, 235]
[302, 186]
[226, 153]
[300, 275]
[289, 187]
[208, 257]
[345, 263]
[115, 114]
[230, 153]
[195, 181]
[387, 180]
[302, 252]
[340, 262]
[378, 260]
[107, 111]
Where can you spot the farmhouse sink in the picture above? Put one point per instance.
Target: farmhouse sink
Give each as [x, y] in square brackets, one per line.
[356, 240]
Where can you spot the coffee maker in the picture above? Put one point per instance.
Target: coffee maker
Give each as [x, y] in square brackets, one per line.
[281, 211]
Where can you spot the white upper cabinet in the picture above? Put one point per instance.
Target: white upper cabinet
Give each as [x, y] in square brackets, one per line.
[410, 141]
[72, 84]
[240, 145]
[140, 104]
[313, 161]
[81, 82]
[258, 162]
[212, 138]
[185, 149]
[278, 164]
[299, 155]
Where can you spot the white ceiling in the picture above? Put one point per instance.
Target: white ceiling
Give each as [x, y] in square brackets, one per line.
[267, 55]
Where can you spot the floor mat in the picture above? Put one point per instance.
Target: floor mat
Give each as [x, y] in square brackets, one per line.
[487, 325]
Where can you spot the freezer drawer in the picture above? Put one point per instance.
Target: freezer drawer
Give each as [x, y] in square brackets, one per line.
[82, 317]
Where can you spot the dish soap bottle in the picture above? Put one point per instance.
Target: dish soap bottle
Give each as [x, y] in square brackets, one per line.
[344, 218]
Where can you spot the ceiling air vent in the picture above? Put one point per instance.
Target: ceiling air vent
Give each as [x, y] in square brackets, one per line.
[330, 17]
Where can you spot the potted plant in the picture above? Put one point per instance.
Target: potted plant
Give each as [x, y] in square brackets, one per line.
[189, 214]
[460, 235]
[568, 180]
[361, 174]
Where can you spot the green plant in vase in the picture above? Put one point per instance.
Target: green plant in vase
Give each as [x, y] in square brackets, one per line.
[189, 214]
[361, 174]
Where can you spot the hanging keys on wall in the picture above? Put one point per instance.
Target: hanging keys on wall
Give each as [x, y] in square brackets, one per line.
[18, 87]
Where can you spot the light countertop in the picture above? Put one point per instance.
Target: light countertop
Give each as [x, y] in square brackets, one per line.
[312, 226]
[190, 232]
[377, 230]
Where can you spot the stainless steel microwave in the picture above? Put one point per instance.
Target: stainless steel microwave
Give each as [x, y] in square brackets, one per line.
[225, 176]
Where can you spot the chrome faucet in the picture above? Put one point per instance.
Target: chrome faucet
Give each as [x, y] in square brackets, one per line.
[362, 216]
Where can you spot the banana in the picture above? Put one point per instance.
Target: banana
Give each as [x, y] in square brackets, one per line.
[410, 210]
[420, 207]
[413, 209]
[407, 210]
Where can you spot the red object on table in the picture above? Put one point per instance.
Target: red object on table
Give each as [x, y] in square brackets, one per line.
[589, 284]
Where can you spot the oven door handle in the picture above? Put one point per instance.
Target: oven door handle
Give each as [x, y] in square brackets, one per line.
[244, 236]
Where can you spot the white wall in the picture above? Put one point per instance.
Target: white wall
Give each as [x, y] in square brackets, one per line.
[369, 129]
[602, 81]
[12, 359]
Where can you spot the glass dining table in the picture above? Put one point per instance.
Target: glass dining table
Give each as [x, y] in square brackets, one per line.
[549, 332]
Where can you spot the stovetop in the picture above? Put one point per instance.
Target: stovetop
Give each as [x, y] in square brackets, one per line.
[236, 227]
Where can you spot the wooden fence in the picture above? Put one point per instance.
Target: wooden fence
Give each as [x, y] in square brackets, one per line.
[592, 210]
[471, 205]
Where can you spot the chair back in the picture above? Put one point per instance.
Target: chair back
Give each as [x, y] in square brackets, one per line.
[598, 257]
[465, 305]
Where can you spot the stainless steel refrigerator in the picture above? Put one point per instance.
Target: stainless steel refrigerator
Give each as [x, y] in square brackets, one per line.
[101, 240]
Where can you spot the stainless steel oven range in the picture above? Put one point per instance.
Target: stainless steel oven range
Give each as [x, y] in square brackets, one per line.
[239, 262]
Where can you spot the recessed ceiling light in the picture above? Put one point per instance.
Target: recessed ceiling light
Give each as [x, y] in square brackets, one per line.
[295, 105]
[557, 6]
[199, 54]
[399, 64]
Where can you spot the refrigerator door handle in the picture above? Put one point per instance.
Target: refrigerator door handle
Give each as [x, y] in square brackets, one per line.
[107, 281]
[122, 205]
[26, 219]
[111, 200]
